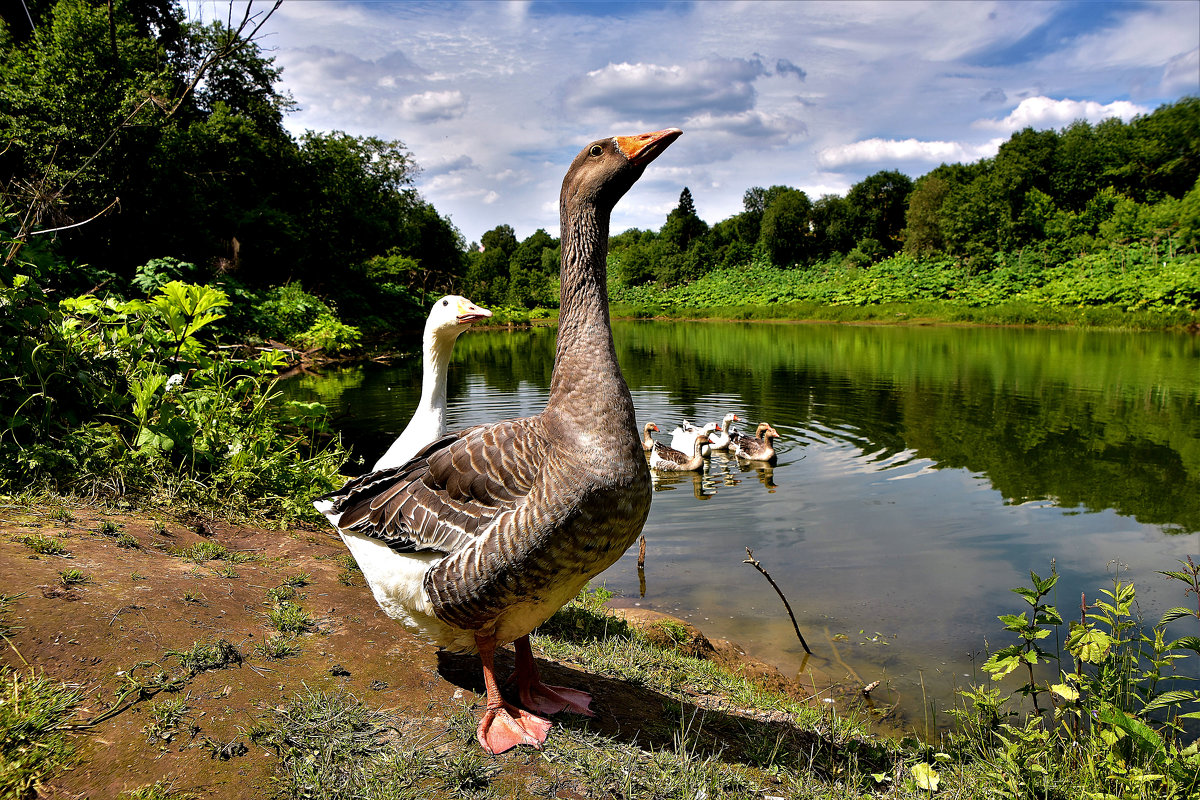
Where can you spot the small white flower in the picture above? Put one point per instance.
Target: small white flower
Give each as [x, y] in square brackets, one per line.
[174, 381]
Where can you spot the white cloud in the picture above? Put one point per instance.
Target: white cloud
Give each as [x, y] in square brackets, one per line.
[713, 85]
[1044, 112]
[1151, 35]
[871, 151]
[1182, 73]
[433, 106]
[814, 95]
[773, 128]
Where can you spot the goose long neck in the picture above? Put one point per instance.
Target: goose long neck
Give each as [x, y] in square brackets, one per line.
[587, 385]
[437, 350]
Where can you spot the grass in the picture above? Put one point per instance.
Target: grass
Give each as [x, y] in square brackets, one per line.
[159, 790]
[298, 580]
[6, 600]
[74, 577]
[201, 552]
[288, 617]
[351, 574]
[166, 718]
[33, 743]
[278, 647]
[282, 593]
[44, 545]
[206, 655]
[329, 745]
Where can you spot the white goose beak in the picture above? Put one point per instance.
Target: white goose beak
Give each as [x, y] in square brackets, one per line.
[468, 312]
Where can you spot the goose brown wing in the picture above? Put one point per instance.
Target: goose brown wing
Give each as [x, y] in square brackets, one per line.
[449, 493]
[670, 454]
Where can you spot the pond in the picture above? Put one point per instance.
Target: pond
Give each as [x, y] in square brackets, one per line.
[923, 472]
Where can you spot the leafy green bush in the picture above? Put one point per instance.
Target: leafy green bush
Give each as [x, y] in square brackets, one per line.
[133, 398]
[1111, 724]
[1130, 278]
[290, 314]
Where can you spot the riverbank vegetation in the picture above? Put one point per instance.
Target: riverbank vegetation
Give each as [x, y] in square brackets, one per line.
[169, 248]
[1093, 708]
[124, 119]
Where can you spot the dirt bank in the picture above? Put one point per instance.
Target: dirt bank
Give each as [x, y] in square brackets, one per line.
[152, 598]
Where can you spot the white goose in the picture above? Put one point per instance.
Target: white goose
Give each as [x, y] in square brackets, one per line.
[720, 439]
[502, 524]
[449, 317]
[683, 436]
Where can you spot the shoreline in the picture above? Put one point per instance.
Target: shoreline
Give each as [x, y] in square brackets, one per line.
[151, 594]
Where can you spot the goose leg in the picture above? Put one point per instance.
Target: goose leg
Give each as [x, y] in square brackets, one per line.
[541, 697]
[503, 725]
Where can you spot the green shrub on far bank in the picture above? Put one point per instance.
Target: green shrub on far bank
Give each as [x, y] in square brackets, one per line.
[1133, 286]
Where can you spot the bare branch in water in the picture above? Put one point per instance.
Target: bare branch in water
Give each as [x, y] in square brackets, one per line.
[752, 561]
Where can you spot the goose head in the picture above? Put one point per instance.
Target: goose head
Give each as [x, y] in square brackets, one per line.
[453, 314]
[766, 432]
[607, 168]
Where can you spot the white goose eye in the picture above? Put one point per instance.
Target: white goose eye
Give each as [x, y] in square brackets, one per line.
[596, 150]
[445, 302]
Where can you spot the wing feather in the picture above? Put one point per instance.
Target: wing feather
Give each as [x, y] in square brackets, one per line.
[450, 492]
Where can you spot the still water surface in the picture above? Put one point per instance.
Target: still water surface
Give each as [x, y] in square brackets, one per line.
[923, 472]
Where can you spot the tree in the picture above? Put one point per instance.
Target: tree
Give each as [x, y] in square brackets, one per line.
[832, 226]
[922, 233]
[877, 206]
[531, 272]
[786, 232]
[683, 225]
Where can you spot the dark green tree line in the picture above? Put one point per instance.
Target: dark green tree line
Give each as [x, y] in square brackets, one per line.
[166, 137]
[1057, 194]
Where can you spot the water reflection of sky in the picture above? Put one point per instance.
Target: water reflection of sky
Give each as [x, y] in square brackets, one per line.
[859, 523]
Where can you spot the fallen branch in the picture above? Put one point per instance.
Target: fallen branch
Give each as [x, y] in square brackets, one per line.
[752, 561]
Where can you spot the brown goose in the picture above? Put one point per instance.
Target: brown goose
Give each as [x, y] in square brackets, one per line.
[647, 439]
[668, 459]
[504, 523]
[757, 447]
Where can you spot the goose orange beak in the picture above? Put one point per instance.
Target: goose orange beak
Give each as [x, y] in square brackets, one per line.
[645, 147]
[468, 312]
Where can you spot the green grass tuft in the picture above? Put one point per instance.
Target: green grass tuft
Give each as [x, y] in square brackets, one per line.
[45, 546]
[279, 646]
[74, 577]
[33, 744]
[290, 618]
[206, 655]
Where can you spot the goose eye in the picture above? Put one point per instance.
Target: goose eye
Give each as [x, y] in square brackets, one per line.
[445, 302]
[596, 150]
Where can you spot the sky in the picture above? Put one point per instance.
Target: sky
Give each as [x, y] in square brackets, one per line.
[494, 99]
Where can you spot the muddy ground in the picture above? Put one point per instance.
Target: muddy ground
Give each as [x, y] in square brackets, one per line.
[141, 603]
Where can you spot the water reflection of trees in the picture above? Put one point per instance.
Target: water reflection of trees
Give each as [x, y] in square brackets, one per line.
[1090, 420]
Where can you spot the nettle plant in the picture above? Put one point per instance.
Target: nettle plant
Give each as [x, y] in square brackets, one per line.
[1117, 718]
[199, 420]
